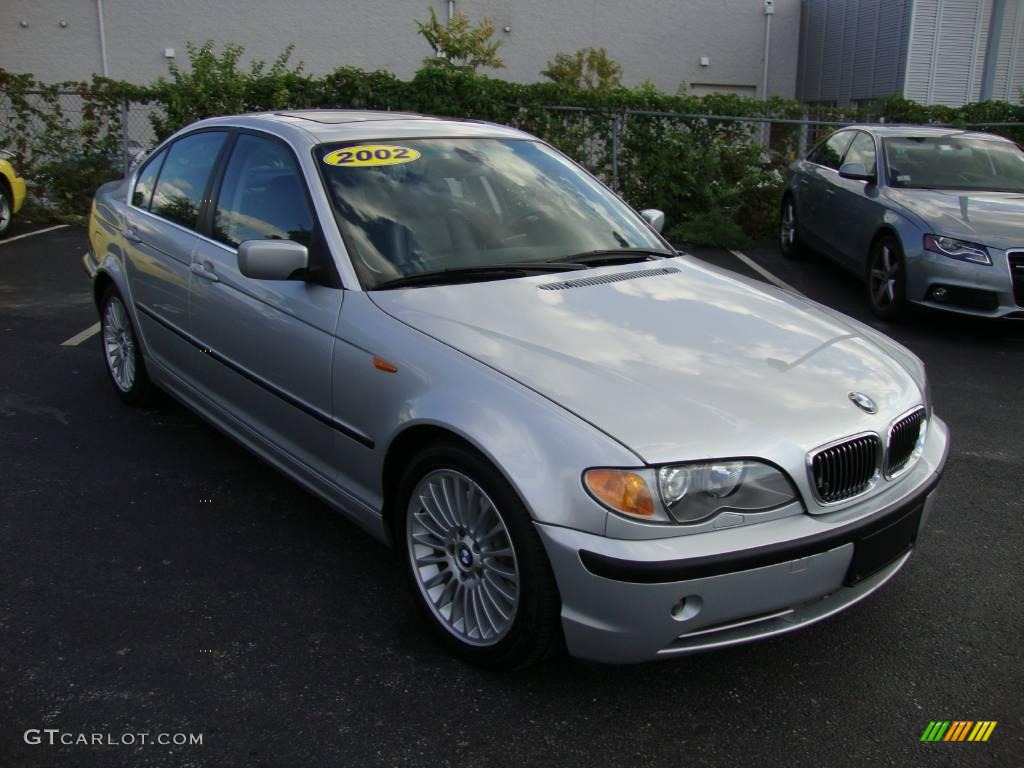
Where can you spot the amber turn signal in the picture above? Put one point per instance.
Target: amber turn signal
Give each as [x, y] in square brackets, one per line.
[384, 365]
[621, 490]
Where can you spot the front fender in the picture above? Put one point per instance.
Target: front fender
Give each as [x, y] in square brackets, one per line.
[540, 447]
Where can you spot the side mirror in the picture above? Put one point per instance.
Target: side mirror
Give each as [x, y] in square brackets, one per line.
[855, 171]
[272, 259]
[654, 217]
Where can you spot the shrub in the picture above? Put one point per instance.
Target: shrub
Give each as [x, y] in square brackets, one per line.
[460, 46]
[589, 69]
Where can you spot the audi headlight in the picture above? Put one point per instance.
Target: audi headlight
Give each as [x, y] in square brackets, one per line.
[957, 249]
[696, 491]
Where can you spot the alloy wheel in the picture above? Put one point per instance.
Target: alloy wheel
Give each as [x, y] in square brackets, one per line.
[884, 275]
[462, 557]
[5, 212]
[119, 344]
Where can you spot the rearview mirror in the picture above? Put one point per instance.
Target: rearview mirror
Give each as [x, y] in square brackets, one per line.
[855, 171]
[272, 259]
[654, 217]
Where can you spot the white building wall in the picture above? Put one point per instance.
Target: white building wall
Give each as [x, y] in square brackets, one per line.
[659, 40]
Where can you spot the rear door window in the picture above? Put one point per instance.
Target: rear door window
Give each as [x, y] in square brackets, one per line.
[183, 179]
[143, 192]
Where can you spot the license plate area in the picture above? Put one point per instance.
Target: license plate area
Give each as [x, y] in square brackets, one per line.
[876, 550]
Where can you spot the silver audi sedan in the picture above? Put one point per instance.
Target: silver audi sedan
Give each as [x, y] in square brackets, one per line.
[927, 216]
[570, 433]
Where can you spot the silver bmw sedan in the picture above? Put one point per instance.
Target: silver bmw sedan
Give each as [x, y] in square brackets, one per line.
[927, 216]
[570, 433]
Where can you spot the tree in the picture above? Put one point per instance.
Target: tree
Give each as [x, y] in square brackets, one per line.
[588, 68]
[459, 45]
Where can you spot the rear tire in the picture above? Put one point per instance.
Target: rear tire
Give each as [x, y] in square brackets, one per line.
[6, 209]
[789, 230]
[121, 351]
[886, 278]
[477, 567]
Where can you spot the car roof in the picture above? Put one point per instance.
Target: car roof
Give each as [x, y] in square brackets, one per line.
[318, 126]
[922, 131]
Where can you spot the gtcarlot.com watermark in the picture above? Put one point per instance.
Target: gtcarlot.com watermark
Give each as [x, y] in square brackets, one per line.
[56, 737]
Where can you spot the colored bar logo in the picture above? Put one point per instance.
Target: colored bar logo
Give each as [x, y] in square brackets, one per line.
[958, 730]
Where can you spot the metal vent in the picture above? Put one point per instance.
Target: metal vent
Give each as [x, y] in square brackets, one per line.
[846, 469]
[583, 282]
[902, 441]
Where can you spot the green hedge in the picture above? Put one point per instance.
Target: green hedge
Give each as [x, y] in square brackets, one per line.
[711, 177]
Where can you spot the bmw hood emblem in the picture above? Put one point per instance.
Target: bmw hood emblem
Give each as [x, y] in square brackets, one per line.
[863, 402]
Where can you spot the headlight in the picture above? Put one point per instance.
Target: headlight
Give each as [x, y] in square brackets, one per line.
[697, 491]
[957, 249]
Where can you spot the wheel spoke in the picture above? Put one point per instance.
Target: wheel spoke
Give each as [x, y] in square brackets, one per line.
[436, 558]
[437, 579]
[880, 292]
[442, 509]
[431, 526]
[489, 584]
[485, 599]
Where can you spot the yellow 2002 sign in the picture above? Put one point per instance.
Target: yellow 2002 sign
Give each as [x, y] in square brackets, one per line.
[368, 155]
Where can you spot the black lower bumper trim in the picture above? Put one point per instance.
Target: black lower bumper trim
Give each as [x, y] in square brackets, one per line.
[662, 572]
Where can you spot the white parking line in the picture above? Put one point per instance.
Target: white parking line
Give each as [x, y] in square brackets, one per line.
[78, 338]
[763, 272]
[32, 234]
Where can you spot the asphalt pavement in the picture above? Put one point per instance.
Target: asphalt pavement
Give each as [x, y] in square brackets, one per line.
[156, 578]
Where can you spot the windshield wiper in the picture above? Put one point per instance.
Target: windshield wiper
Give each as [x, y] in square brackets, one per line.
[478, 273]
[614, 256]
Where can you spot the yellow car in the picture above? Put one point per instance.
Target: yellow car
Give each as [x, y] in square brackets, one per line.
[12, 192]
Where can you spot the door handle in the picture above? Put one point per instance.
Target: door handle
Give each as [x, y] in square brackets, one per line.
[204, 271]
[131, 235]
[829, 191]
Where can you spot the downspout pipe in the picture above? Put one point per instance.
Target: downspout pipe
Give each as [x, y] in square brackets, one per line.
[103, 38]
[451, 9]
[995, 28]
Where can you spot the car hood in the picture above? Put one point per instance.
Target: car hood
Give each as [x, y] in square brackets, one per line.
[989, 218]
[691, 364]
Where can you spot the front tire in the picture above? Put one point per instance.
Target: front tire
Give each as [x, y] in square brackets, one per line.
[886, 278]
[121, 350]
[477, 566]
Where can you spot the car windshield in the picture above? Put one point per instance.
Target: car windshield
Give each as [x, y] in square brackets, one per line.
[954, 162]
[429, 205]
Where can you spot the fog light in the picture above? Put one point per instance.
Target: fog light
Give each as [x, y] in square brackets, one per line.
[687, 608]
[939, 293]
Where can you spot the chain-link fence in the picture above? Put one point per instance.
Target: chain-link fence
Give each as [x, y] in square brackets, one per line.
[40, 127]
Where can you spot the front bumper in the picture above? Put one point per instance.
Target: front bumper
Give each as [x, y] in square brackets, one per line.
[971, 289]
[630, 601]
[89, 262]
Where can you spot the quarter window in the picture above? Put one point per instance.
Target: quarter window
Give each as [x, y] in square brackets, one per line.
[179, 192]
[830, 152]
[263, 196]
[143, 193]
[862, 150]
